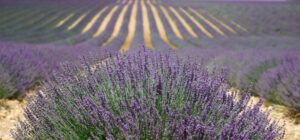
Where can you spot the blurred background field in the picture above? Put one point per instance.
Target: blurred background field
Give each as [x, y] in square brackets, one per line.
[258, 41]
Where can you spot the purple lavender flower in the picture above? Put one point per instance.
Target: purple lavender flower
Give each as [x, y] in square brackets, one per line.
[135, 103]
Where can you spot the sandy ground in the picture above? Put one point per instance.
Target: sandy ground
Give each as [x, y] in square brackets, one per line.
[10, 110]
[284, 115]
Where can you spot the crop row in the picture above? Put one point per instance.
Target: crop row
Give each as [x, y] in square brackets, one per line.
[261, 18]
[273, 74]
[173, 26]
[22, 66]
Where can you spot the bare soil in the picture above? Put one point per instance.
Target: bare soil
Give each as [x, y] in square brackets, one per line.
[284, 115]
[10, 110]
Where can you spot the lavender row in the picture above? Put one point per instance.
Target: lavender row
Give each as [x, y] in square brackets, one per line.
[58, 2]
[47, 32]
[282, 84]
[256, 25]
[266, 18]
[261, 18]
[143, 95]
[23, 66]
[274, 74]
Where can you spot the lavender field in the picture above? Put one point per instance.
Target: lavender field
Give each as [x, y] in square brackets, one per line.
[150, 69]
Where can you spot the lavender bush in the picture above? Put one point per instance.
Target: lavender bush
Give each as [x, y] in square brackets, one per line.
[143, 95]
[282, 84]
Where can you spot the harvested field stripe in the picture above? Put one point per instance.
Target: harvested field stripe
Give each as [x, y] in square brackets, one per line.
[184, 23]
[105, 21]
[146, 25]
[92, 22]
[208, 22]
[236, 24]
[48, 21]
[64, 20]
[124, 1]
[78, 21]
[118, 24]
[172, 23]
[231, 21]
[118, 1]
[131, 28]
[160, 26]
[51, 19]
[220, 22]
[198, 24]
[154, 1]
